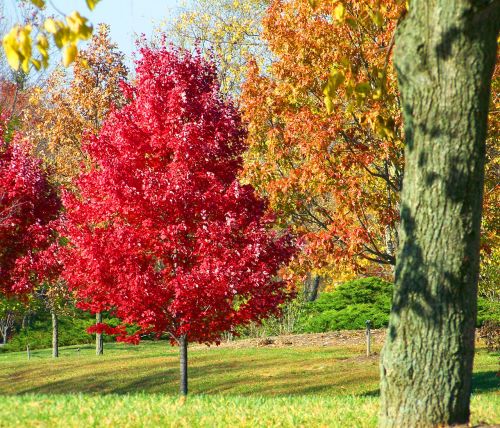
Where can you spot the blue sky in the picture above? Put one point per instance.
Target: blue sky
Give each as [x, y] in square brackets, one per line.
[126, 17]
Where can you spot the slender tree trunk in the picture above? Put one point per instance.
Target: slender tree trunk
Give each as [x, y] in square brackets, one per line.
[444, 56]
[24, 323]
[99, 341]
[5, 332]
[312, 295]
[183, 345]
[55, 335]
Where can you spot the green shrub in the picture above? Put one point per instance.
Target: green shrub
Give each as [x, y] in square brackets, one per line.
[352, 303]
[349, 306]
[487, 310]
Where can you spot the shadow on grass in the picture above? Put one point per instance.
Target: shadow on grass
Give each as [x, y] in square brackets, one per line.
[256, 372]
[271, 377]
[487, 381]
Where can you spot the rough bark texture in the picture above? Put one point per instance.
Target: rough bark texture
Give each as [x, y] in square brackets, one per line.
[445, 53]
[99, 340]
[183, 351]
[312, 295]
[55, 335]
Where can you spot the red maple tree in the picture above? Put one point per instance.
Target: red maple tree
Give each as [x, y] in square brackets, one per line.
[161, 232]
[28, 207]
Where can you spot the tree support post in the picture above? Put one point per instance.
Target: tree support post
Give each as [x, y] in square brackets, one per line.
[368, 338]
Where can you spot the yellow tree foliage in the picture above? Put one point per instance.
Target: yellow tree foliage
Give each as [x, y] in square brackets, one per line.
[73, 104]
[28, 45]
[489, 279]
[325, 136]
[229, 30]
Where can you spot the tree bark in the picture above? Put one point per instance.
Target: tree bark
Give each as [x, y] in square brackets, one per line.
[312, 295]
[183, 351]
[25, 320]
[99, 340]
[55, 335]
[444, 55]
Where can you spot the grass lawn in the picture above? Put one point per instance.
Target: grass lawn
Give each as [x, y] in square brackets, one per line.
[136, 386]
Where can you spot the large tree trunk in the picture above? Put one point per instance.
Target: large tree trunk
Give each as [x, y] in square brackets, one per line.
[99, 341]
[183, 351]
[445, 53]
[55, 335]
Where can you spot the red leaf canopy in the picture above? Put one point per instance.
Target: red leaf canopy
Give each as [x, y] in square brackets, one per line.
[28, 204]
[161, 231]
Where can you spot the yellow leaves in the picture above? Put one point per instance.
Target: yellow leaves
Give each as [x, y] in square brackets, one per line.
[74, 102]
[43, 47]
[10, 47]
[17, 46]
[362, 89]
[67, 34]
[38, 3]
[385, 127]
[79, 29]
[18, 42]
[69, 54]
[35, 96]
[51, 25]
[335, 79]
[92, 3]
[313, 4]
[378, 18]
[328, 104]
[339, 12]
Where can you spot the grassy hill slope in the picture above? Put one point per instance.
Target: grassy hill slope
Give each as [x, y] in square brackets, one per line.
[136, 386]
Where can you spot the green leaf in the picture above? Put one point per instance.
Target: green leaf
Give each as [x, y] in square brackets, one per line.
[363, 88]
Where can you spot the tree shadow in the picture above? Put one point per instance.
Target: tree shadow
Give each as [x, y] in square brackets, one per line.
[487, 381]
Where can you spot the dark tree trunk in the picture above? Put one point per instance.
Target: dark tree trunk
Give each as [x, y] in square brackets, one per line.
[99, 340]
[312, 295]
[183, 351]
[55, 335]
[444, 56]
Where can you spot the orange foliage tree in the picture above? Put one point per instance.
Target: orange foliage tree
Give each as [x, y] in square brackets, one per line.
[69, 106]
[325, 137]
[489, 280]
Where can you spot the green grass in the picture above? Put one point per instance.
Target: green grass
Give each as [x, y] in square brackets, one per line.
[137, 386]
